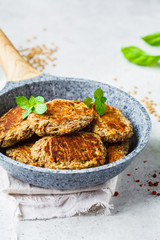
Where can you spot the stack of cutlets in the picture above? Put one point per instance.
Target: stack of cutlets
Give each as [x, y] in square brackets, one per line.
[69, 135]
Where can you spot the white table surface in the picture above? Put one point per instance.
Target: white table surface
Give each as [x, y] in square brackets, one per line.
[89, 35]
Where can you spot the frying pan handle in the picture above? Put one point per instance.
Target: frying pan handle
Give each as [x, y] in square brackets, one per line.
[14, 66]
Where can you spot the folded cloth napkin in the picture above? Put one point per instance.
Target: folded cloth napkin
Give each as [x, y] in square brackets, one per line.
[30, 202]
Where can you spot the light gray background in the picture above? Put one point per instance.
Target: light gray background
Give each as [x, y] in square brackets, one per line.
[89, 34]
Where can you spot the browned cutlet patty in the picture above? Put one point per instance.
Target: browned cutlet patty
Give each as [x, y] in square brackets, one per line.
[75, 151]
[112, 126]
[13, 128]
[116, 151]
[22, 152]
[62, 117]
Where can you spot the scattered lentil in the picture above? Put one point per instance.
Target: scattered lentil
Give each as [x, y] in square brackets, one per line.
[39, 55]
[134, 92]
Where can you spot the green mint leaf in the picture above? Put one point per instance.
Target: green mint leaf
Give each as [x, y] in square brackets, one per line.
[138, 56]
[98, 93]
[153, 39]
[103, 99]
[22, 102]
[32, 101]
[75, 99]
[100, 106]
[39, 108]
[27, 112]
[35, 105]
[88, 102]
[39, 99]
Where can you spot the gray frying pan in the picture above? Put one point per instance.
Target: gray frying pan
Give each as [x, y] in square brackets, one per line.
[25, 80]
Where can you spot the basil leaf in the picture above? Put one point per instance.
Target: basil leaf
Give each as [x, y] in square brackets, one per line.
[39, 99]
[39, 108]
[22, 102]
[98, 93]
[138, 56]
[153, 39]
[27, 112]
[88, 102]
[100, 107]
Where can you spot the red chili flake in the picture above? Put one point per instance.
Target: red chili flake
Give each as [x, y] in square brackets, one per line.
[136, 168]
[156, 184]
[158, 194]
[140, 185]
[116, 194]
[154, 175]
[128, 174]
[159, 172]
[148, 190]
[145, 161]
[154, 192]
[150, 184]
[137, 180]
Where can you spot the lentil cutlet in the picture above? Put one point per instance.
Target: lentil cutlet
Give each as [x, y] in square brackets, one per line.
[75, 151]
[112, 126]
[116, 151]
[22, 152]
[13, 128]
[62, 117]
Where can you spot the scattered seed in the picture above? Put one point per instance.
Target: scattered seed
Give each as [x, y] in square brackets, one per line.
[154, 192]
[156, 184]
[150, 184]
[154, 175]
[116, 194]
